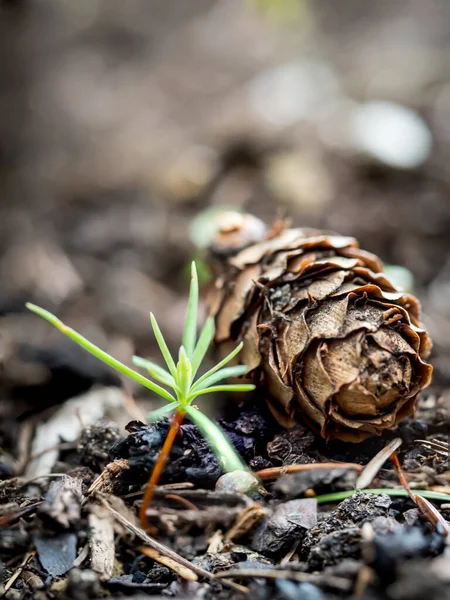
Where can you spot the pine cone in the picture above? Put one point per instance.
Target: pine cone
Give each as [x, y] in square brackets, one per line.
[326, 334]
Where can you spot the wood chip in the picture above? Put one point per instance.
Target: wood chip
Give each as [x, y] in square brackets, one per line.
[112, 470]
[101, 541]
[82, 556]
[215, 543]
[442, 489]
[247, 520]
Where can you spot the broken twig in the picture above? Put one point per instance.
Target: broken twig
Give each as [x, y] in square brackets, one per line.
[174, 565]
[164, 550]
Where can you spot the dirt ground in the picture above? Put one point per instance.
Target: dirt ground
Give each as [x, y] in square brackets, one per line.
[121, 125]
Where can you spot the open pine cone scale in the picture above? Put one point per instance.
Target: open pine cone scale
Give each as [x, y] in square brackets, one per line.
[325, 332]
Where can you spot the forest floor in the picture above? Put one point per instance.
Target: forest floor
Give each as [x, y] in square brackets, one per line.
[95, 226]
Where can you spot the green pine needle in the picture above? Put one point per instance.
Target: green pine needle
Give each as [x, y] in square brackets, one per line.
[216, 438]
[161, 413]
[204, 342]
[339, 496]
[190, 327]
[154, 371]
[179, 377]
[235, 371]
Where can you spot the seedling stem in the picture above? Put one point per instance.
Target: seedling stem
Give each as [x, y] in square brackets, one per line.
[180, 378]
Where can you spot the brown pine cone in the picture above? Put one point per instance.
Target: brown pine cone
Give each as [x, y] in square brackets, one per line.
[326, 334]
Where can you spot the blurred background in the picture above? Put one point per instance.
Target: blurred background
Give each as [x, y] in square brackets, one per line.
[122, 122]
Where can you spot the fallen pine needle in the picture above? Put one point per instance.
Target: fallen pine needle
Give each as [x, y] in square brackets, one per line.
[8, 519]
[175, 566]
[438, 446]
[163, 550]
[275, 472]
[339, 496]
[401, 475]
[370, 471]
[186, 503]
[432, 515]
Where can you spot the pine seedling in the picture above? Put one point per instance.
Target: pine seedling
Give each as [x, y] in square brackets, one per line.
[181, 378]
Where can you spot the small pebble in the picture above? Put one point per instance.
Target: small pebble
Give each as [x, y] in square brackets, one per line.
[241, 482]
[411, 516]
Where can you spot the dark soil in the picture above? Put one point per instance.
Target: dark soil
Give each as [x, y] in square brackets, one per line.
[366, 542]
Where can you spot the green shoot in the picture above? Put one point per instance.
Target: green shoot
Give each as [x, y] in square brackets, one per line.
[180, 376]
[216, 438]
[204, 342]
[190, 327]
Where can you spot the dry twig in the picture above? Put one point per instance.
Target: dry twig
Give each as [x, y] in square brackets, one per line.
[164, 550]
[275, 472]
[427, 510]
